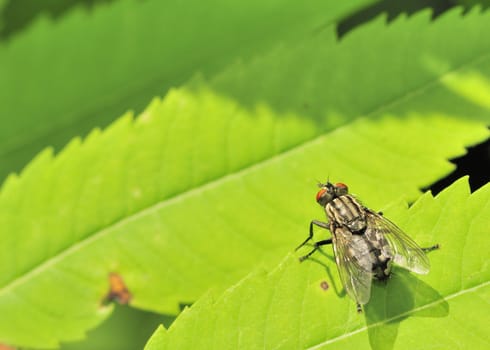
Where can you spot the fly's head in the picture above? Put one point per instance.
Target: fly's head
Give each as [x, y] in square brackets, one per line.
[330, 191]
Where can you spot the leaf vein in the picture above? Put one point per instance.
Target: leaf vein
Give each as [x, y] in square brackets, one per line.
[404, 314]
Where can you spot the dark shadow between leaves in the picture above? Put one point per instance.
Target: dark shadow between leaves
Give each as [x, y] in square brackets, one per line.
[402, 296]
[474, 163]
[393, 9]
[19, 14]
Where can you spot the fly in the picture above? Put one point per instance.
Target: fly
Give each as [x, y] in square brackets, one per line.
[365, 243]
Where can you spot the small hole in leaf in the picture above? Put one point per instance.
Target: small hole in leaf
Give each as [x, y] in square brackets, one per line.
[324, 285]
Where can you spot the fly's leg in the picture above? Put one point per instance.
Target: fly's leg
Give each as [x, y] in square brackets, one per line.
[429, 249]
[359, 308]
[310, 236]
[316, 246]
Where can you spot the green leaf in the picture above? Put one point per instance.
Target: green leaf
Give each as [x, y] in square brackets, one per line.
[288, 309]
[201, 189]
[62, 78]
[326, 81]
[126, 329]
[169, 247]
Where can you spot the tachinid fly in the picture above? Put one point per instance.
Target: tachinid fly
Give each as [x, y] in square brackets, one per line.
[365, 243]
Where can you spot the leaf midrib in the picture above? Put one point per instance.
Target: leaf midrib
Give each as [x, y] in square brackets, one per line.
[217, 181]
[402, 315]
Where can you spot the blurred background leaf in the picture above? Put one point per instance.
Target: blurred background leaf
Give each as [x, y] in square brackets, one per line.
[63, 76]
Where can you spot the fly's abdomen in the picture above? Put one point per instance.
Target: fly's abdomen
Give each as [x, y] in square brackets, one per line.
[345, 210]
[381, 255]
[370, 256]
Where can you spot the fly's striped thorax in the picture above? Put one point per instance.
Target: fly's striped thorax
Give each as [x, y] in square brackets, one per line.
[346, 211]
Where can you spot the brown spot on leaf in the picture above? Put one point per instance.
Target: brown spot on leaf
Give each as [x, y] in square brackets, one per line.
[6, 347]
[118, 291]
[324, 285]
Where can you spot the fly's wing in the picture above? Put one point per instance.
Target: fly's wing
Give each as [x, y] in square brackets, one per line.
[353, 263]
[406, 253]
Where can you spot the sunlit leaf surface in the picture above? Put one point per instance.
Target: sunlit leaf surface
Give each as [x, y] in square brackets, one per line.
[288, 308]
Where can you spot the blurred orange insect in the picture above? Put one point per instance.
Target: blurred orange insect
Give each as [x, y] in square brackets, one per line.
[118, 291]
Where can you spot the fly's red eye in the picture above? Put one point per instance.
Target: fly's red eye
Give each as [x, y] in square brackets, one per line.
[340, 185]
[320, 194]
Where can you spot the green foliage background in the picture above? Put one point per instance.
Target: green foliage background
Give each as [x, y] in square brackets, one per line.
[240, 108]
